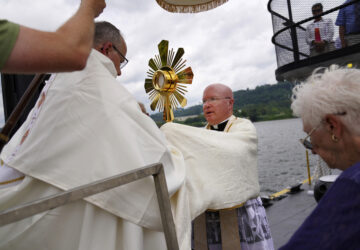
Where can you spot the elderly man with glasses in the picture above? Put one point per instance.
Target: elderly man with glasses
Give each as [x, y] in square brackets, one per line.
[86, 127]
[245, 224]
[319, 34]
[110, 44]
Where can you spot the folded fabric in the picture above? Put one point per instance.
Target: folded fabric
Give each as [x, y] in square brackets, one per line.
[221, 170]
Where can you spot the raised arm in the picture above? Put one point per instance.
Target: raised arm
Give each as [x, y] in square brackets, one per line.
[342, 36]
[66, 49]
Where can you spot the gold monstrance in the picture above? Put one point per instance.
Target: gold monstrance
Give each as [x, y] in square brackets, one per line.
[166, 83]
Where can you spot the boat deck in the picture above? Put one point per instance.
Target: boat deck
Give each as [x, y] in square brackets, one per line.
[286, 215]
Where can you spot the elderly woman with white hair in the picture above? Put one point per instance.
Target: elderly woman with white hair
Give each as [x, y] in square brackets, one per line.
[329, 106]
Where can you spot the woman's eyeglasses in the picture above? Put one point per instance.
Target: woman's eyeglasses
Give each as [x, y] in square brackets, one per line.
[306, 142]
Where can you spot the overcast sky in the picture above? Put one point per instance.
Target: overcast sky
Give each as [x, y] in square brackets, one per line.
[230, 44]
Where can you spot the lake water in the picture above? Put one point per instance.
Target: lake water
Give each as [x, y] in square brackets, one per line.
[281, 157]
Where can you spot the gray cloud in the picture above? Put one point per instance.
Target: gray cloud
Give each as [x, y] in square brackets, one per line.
[230, 44]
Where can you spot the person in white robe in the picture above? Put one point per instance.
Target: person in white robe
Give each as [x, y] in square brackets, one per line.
[250, 225]
[85, 127]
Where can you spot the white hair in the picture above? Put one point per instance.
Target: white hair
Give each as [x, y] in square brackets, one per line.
[333, 90]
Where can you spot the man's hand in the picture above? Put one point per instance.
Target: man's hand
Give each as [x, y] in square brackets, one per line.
[319, 46]
[96, 6]
[342, 32]
[343, 43]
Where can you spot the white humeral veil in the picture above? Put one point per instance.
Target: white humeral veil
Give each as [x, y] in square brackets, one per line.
[221, 169]
[85, 127]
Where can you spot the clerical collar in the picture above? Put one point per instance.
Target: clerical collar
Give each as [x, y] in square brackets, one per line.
[219, 127]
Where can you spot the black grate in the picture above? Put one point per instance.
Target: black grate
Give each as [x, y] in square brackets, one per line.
[290, 19]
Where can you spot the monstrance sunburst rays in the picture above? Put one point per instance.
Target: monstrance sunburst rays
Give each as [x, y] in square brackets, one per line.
[166, 85]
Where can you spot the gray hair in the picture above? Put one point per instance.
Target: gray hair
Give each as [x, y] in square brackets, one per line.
[106, 32]
[332, 90]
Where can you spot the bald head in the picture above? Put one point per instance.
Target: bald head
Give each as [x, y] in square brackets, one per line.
[218, 103]
[221, 89]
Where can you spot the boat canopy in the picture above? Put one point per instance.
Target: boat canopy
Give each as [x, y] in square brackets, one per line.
[290, 19]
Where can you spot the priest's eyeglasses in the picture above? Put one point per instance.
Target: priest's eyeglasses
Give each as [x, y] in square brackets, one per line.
[125, 60]
[214, 99]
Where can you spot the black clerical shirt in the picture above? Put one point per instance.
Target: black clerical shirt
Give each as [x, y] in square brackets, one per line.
[220, 126]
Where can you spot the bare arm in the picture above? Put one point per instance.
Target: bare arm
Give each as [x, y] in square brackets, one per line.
[66, 49]
[342, 36]
[330, 31]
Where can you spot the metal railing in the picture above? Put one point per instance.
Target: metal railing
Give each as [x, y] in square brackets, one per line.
[53, 201]
[291, 25]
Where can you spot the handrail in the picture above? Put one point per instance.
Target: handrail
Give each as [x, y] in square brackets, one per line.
[290, 26]
[53, 201]
[279, 15]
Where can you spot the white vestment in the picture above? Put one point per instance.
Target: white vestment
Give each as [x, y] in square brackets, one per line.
[221, 170]
[84, 127]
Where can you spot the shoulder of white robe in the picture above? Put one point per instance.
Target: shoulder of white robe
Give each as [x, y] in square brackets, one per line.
[237, 124]
[231, 121]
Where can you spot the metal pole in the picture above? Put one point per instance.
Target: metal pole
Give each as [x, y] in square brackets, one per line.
[293, 34]
[165, 209]
[308, 166]
[53, 201]
[50, 202]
